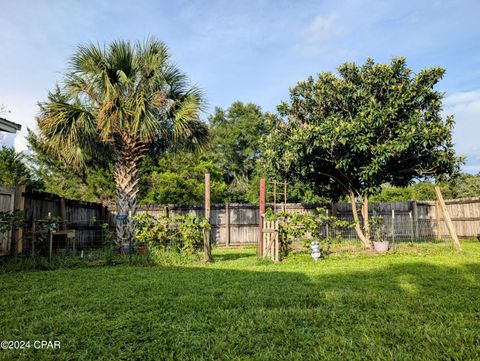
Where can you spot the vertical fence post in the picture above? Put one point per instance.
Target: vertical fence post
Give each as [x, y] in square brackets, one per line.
[207, 251]
[227, 224]
[416, 226]
[50, 240]
[274, 196]
[438, 233]
[393, 225]
[19, 204]
[63, 214]
[334, 214]
[412, 234]
[285, 195]
[277, 243]
[261, 211]
[326, 226]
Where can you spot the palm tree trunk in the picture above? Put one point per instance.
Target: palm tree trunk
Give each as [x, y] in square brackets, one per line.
[126, 181]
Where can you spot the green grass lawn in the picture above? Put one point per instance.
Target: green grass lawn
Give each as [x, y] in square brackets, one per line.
[420, 303]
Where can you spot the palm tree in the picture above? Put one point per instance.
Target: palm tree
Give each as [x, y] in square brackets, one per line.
[121, 101]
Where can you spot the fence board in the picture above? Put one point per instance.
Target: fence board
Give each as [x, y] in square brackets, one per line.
[7, 200]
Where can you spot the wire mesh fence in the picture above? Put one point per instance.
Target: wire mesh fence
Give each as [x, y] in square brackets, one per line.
[399, 226]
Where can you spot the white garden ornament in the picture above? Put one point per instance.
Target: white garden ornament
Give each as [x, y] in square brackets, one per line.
[315, 246]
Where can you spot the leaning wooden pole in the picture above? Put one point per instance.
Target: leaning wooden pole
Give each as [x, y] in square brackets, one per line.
[261, 214]
[446, 216]
[207, 249]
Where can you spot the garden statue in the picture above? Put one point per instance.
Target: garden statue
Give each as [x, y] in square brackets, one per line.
[315, 246]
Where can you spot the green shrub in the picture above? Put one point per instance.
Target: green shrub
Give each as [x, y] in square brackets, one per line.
[304, 227]
[11, 220]
[180, 233]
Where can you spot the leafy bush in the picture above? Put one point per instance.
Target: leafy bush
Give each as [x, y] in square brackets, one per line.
[180, 233]
[305, 227]
[11, 220]
[377, 228]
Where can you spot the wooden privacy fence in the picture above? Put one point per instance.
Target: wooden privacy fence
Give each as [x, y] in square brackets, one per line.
[237, 224]
[82, 220]
[233, 224]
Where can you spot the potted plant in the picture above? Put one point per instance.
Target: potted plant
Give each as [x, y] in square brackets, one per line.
[376, 226]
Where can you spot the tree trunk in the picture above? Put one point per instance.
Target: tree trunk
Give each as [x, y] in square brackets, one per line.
[126, 180]
[366, 222]
[363, 234]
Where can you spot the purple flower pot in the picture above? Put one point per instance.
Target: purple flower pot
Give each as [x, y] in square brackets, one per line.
[380, 247]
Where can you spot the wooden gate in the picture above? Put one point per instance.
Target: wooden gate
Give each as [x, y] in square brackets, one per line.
[271, 242]
[7, 203]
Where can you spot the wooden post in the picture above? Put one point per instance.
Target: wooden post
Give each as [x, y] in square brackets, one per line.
[285, 195]
[227, 224]
[446, 216]
[63, 214]
[415, 219]
[50, 244]
[326, 225]
[438, 233]
[206, 242]
[103, 214]
[277, 243]
[334, 214]
[274, 196]
[393, 225]
[18, 233]
[412, 234]
[261, 212]
[34, 229]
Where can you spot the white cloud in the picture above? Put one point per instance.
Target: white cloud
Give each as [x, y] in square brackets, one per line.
[20, 143]
[319, 34]
[471, 169]
[462, 98]
[321, 29]
[465, 106]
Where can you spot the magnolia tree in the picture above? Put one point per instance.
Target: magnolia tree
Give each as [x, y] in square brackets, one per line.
[366, 126]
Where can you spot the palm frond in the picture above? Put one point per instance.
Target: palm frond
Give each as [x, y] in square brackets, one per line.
[66, 125]
[122, 90]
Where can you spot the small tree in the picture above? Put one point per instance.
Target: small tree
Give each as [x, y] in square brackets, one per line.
[13, 169]
[363, 127]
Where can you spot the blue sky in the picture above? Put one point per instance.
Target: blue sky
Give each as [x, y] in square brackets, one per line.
[248, 50]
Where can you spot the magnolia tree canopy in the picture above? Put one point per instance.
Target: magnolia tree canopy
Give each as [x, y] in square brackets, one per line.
[365, 126]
